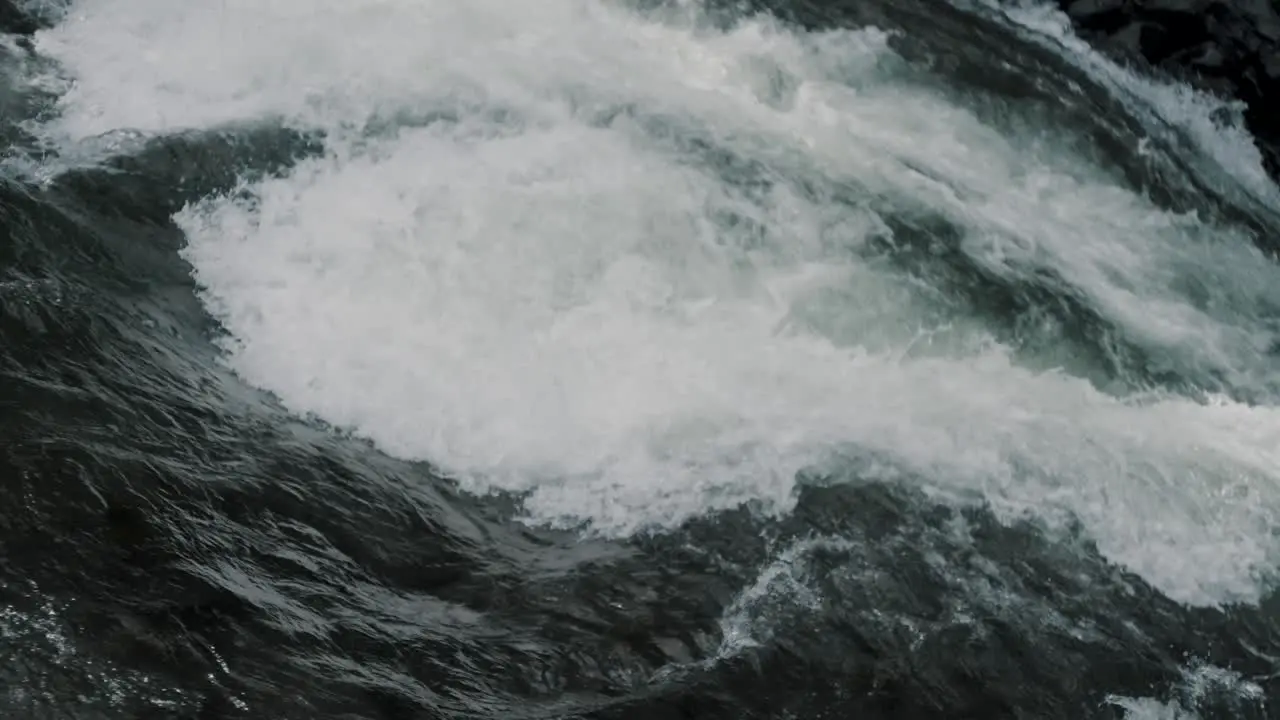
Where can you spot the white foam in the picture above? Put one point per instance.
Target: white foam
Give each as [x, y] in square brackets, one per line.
[1146, 708]
[538, 298]
[1199, 681]
[1196, 113]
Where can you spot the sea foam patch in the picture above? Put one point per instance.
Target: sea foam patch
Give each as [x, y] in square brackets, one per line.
[611, 263]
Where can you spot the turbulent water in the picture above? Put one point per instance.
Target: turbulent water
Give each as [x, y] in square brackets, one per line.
[600, 359]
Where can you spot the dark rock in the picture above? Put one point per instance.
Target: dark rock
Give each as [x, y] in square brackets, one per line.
[1144, 40]
[1182, 7]
[1090, 8]
[1205, 58]
[1104, 17]
[1227, 47]
[14, 21]
[1098, 13]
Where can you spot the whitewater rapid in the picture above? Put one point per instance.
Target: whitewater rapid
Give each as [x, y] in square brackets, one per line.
[622, 264]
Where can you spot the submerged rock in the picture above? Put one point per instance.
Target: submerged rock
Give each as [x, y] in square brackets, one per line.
[1228, 47]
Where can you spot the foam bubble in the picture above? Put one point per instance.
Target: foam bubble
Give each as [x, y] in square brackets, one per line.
[568, 251]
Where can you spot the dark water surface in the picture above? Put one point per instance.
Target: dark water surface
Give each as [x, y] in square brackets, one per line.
[176, 544]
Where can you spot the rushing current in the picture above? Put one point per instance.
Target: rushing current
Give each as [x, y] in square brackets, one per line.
[392, 359]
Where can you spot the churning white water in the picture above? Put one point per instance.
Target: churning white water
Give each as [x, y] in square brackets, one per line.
[528, 259]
